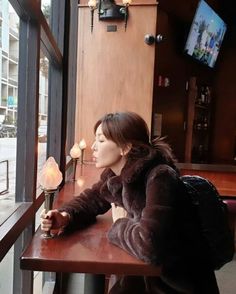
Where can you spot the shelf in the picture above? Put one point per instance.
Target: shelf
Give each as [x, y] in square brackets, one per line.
[198, 114]
[201, 131]
[202, 106]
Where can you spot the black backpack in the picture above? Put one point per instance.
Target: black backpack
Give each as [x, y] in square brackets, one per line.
[212, 215]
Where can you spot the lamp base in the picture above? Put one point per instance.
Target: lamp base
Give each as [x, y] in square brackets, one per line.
[47, 235]
[74, 160]
[49, 196]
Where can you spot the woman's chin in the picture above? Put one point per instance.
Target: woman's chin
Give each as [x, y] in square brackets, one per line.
[98, 165]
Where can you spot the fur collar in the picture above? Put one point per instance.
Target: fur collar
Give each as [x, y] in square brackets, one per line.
[135, 168]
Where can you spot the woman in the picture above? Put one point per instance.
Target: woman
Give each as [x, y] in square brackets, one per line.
[157, 223]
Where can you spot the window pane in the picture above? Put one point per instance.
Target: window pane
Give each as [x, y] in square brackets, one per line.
[9, 274]
[46, 9]
[6, 272]
[43, 113]
[9, 58]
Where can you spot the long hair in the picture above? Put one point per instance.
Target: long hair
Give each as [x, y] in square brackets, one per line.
[125, 128]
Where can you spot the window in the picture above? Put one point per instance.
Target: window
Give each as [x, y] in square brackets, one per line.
[32, 97]
[46, 9]
[0, 27]
[6, 272]
[8, 108]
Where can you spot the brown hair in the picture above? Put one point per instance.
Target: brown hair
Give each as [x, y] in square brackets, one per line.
[125, 128]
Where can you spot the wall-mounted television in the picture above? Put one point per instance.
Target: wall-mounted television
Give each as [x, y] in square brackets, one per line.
[206, 35]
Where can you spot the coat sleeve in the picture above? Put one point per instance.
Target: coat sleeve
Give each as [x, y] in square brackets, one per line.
[146, 238]
[84, 208]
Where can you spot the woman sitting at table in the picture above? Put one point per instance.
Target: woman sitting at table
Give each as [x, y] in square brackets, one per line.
[152, 216]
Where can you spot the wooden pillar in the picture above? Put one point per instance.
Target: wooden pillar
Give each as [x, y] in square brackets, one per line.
[115, 68]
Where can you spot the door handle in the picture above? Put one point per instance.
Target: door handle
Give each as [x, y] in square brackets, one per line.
[150, 39]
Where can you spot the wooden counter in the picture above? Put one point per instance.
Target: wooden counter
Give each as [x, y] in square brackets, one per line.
[84, 251]
[207, 167]
[88, 250]
[222, 176]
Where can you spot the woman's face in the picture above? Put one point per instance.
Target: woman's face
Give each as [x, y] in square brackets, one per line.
[106, 153]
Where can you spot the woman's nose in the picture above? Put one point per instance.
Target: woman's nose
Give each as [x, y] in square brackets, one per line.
[93, 147]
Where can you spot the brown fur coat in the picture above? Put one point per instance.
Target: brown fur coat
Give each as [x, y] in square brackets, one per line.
[159, 227]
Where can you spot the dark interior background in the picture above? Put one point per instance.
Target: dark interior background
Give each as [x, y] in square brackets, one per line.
[174, 21]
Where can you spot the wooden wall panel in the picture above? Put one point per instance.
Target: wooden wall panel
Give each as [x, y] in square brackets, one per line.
[224, 139]
[115, 69]
[192, 94]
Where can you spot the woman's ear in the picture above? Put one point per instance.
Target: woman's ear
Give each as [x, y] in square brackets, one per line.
[126, 149]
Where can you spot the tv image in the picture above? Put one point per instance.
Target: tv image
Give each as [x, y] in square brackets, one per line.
[206, 35]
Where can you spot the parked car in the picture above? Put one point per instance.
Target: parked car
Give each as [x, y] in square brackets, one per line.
[42, 134]
[7, 131]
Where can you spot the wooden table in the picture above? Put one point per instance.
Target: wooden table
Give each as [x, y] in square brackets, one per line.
[224, 179]
[83, 251]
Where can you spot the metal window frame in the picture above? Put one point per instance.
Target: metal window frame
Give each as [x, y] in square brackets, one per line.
[72, 74]
[26, 163]
[7, 176]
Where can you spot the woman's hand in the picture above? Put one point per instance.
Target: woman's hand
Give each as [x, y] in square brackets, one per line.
[117, 212]
[54, 220]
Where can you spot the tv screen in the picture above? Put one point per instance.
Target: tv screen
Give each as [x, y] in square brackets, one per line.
[206, 35]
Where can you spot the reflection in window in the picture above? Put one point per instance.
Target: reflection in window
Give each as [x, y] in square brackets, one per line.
[9, 59]
[46, 9]
[43, 113]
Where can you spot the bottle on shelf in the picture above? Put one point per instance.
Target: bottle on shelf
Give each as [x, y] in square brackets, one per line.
[199, 154]
[208, 95]
[201, 123]
[205, 123]
[198, 125]
[199, 97]
[203, 95]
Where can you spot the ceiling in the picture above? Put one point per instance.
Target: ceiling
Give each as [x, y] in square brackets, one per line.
[185, 10]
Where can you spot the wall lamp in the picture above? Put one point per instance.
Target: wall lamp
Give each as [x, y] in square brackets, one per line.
[109, 10]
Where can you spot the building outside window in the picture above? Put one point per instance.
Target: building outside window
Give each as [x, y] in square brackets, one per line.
[9, 57]
[46, 9]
